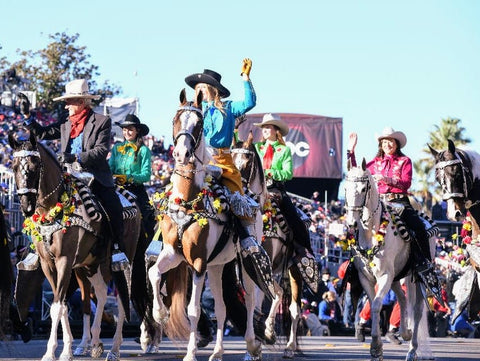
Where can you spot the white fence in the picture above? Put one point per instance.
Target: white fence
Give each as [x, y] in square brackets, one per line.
[9, 198]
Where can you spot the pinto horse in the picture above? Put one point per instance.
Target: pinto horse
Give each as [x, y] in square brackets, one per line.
[196, 235]
[289, 291]
[64, 235]
[381, 257]
[458, 173]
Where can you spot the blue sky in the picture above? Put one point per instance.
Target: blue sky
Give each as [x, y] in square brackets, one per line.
[383, 63]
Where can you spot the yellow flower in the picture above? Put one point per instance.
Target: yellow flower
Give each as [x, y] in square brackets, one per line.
[202, 222]
[217, 204]
[379, 237]
[467, 226]
[265, 218]
[454, 236]
[372, 264]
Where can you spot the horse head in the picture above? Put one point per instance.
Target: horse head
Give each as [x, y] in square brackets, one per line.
[26, 167]
[361, 198]
[454, 176]
[187, 129]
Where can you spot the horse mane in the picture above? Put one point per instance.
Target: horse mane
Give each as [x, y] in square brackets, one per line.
[47, 153]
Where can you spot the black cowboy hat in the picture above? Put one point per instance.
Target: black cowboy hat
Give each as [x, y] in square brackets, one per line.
[208, 77]
[132, 119]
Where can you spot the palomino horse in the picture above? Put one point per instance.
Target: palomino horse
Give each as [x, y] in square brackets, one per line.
[458, 173]
[193, 230]
[275, 242]
[381, 257]
[64, 234]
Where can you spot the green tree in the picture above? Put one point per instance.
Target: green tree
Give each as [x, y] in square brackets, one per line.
[47, 70]
[426, 185]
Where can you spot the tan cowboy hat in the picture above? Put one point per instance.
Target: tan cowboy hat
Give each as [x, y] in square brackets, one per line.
[77, 88]
[208, 77]
[275, 120]
[388, 132]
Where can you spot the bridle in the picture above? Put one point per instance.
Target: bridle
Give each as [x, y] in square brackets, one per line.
[363, 202]
[466, 177]
[188, 110]
[24, 190]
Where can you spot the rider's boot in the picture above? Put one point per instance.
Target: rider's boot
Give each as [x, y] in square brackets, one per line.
[254, 257]
[30, 263]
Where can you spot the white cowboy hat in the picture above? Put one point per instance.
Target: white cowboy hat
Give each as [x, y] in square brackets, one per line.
[388, 132]
[77, 88]
[275, 120]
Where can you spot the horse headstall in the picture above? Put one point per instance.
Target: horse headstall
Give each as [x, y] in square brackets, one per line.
[440, 167]
[24, 154]
[184, 131]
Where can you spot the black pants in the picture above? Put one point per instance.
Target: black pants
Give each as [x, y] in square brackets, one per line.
[416, 224]
[109, 199]
[143, 202]
[297, 226]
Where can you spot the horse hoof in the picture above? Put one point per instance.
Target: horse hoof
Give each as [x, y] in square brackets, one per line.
[407, 336]
[190, 358]
[81, 351]
[151, 348]
[215, 358]
[65, 358]
[251, 357]
[97, 350]
[288, 354]
[379, 358]
[112, 356]
[411, 356]
[270, 338]
[48, 358]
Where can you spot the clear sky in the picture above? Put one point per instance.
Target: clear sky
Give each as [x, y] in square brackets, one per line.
[405, 64]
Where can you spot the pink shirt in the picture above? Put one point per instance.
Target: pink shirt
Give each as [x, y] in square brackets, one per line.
[399, 169]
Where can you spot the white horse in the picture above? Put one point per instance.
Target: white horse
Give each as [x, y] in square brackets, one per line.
[192, 226]
[381, 257]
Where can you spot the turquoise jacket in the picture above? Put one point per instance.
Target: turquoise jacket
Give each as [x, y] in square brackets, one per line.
[282, 163]
[218, 126]
[122, 161]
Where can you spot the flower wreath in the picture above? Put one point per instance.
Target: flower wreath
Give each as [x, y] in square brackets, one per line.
[212, 204]
[60, 212]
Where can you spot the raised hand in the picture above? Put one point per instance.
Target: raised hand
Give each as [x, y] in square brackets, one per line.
[246, 66]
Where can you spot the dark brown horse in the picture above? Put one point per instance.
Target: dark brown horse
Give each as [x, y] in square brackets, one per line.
[68, 237]
[6, 281]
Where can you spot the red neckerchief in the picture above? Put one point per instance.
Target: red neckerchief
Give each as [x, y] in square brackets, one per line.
[78, 122]
[268, 157]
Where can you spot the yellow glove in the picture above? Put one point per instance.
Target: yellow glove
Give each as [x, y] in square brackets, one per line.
[246, 66]
[120, 178]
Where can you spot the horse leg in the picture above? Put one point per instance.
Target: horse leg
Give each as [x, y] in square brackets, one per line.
[83, 347]
[294, 308]
[254, 347]
[66, 354]
[114, 353]
[193, 312]
[100, 288]
[56, 311]
[402, 301]
[415, 297]
[167, 259]
[215, 281]
[376, 347]
[270, 336]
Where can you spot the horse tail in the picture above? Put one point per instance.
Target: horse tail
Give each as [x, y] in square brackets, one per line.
[233, 296]
[177, 283]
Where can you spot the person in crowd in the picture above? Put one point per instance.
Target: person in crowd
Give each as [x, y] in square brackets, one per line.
[329, 312]
[392, 171]
[440, 315]
[325, 283]
[310, 320]
[85, 138]
[130, 162]
[277, 163]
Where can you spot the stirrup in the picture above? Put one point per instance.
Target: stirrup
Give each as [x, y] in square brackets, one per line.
[119, 261]
[429, 278]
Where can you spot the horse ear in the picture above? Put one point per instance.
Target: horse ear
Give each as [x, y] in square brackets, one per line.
[364, 164]
[433, 151]
[12, 141]
[198, 102]
[183, 97]
[33, 140]
[249, 140]
[451, 146]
